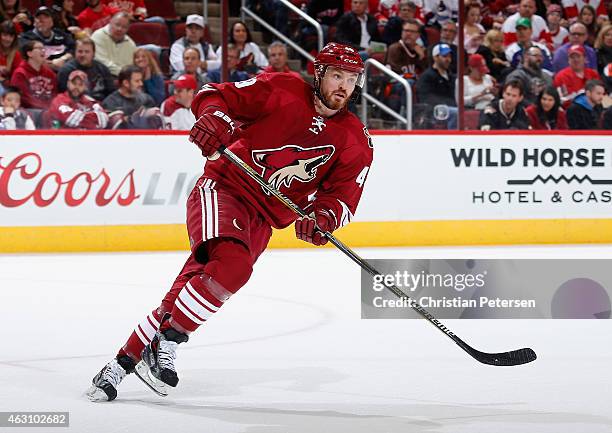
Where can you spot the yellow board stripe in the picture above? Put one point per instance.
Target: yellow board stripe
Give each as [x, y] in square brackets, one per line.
[357, 234]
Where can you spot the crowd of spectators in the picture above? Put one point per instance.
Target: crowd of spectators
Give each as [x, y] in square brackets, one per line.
[529, 64]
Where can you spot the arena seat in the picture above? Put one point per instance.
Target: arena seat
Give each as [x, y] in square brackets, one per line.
[161, 8]
[433, 35]
[30, 5]
[150, 33]
[471, 118]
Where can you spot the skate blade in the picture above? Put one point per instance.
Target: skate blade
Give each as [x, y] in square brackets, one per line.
[96, 394]
[144, 373]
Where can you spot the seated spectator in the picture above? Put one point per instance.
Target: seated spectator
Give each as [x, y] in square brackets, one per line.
[95, 16]
[327, 13]
[473, 31]
[233, 60]
[358, 28]
[558, 33]
[74, 109]
[114, 48]
[251, 57]
[10, 57]
[191, 66]
[514, 51]
[448, 33]
[273, 12]
[526, 12]
[493, 52]
[177, 108]
[570, 82]
[20, 16]
[405, 57]
[479, 87]
[577, 36]
[587, 17]
[572, 7]
[547, 113]
[58, 45]
[129, 97]
[603, 44]
[65, 19]
[135, 9]
[408, 10]
[439, 12]
[194, 31]
[531, 75]
[34, 79]
[12, 116]
[277, 56]
[506, 112]
[151, 74]
[386, 9]
[494, 13]
[436, 86]
[101, 82]
[586, 109]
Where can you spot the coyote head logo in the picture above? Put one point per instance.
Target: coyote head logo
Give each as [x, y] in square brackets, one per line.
[281, 166]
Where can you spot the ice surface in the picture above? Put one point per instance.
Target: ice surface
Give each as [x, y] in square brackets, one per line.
[290, 354]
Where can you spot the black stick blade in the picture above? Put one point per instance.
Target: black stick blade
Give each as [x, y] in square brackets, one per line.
[515, 357]
[503, 359]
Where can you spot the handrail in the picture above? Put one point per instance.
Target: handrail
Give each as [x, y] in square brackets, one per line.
[365, 96]
[245, 10]
[205, 11]
[278, 34]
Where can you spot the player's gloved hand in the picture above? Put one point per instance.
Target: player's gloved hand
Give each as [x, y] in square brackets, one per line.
[211, 131]
[311, 227]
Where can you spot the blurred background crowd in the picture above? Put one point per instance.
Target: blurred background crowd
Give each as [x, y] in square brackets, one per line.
[135, 64]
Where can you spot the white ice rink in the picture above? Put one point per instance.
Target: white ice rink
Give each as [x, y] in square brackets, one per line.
[290, 354]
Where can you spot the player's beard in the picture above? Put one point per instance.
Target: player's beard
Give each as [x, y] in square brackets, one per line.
[332, 102]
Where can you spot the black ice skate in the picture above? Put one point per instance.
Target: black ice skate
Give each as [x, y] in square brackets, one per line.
[104, 384]
[157, 369]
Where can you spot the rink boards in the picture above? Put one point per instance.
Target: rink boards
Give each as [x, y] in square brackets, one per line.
[116, 192]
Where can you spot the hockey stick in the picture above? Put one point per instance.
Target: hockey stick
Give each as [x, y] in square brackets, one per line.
[514, 357]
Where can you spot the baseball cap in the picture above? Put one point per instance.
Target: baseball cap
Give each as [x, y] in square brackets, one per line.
[43, 10]
[476, 61]
[77, 73]
[195, 19]
[441, 50]
[523, 22]
[185, 81]
[552, 8]
[575, 49]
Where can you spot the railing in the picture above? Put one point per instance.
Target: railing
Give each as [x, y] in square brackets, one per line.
[366, 97]
[205, 11]
[246, 11]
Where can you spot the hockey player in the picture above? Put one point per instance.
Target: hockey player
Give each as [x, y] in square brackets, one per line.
[74, 108]
[303, 141]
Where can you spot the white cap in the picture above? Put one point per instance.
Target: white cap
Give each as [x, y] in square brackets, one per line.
[195, 19]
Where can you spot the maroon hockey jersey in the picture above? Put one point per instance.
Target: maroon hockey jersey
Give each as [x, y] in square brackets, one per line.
[86, 113]
[296, 150]
[37, 88]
